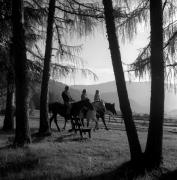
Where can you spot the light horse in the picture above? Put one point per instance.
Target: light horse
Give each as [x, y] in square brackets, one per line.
[100, 111]
[79, 109]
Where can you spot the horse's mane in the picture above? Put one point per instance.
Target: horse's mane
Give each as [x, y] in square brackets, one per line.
[85, 102]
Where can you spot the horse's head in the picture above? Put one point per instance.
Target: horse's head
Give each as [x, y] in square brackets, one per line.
[111, 107]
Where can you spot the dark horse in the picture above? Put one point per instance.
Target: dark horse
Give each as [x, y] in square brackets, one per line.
[110, 110]
[76, 110]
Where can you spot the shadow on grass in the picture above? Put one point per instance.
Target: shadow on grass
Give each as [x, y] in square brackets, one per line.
[26, 162]
[169, 175]
[126, 171]
[17, 166]
[70, 137]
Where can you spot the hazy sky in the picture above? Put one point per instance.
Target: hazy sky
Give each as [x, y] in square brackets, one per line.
[97, 58]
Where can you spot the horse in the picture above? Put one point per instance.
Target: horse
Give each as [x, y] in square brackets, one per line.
[110, 110]
[100, 111]
[81, 108]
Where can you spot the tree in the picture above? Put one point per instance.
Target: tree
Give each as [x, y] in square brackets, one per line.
[9, 114]
[8, 74]
[65, 22]
[135, 148]
[44, 122]
[33, 17]
[6, 64]
[153, 151]
[22, 133]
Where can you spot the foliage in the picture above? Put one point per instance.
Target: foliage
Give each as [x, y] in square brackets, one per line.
[141, 65]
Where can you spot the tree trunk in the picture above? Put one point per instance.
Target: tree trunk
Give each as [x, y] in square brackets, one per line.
[44, 128]
[135, 148]
[9, 114]
[22, 133]
[153, 151]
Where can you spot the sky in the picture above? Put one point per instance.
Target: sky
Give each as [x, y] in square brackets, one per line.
[96, 56]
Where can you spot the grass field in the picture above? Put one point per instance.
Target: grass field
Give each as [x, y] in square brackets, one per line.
[65, 156]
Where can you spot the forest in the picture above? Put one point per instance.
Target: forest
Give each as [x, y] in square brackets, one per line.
[35, 47]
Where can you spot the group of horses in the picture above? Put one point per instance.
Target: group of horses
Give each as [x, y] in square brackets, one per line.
[83, 109]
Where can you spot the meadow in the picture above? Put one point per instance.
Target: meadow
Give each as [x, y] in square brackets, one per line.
[64, 155]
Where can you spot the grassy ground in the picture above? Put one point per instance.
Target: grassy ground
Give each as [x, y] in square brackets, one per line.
[65, 156]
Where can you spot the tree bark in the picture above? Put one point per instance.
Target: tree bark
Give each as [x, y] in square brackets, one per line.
[9, 114]
[153, 151]
[134, 144]
[44, 128]
[22, 133]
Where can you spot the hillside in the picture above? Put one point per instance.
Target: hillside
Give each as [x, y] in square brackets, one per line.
[139, 95]
[138, 92]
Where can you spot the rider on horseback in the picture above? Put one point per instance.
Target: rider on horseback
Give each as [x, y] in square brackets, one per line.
[97, 96]
[67, 99]
[84, 95]
[98, 103]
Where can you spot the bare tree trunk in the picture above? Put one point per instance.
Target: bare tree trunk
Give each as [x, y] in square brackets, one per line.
[153, 152]
[44, 128]
[22, 133]
[9, 114]
[135, 148]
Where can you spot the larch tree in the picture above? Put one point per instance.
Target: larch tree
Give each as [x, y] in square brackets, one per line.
[134, 144]
[158, 59]
[44, 128]
[153, 151]
[67, 20]
[22, 132]
[6, 62]
[33, 17]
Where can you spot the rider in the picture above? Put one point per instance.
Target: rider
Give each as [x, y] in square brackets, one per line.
[97, 96]
[67, 99]
[98, 103]
[84, 95]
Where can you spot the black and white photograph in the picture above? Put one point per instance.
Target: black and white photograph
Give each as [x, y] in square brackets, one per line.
[88, 90]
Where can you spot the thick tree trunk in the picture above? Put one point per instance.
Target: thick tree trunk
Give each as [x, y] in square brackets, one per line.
[22, 133]
[153, 152]
[135, 148]
[9, 114]
[44, 128]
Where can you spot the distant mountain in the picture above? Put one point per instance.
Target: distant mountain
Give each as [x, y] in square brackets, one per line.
[138, 92]
[55, 91]
[172, 113]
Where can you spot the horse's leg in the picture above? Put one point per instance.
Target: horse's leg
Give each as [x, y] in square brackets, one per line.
[96, 123]
[51, 120]
[55, 120]
[65, 123]
[103, 119]
[82, 121]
